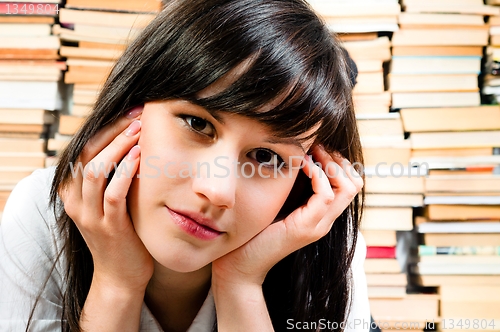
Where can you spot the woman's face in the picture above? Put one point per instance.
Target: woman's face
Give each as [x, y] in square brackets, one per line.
[195, 198]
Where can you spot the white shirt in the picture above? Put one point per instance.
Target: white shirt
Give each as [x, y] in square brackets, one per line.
[29, 243]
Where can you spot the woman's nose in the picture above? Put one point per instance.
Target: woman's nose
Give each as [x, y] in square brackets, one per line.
[216, 182]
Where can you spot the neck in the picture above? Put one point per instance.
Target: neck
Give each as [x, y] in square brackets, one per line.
[175, 298]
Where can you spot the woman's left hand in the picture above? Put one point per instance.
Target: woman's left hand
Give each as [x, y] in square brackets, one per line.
[249, 264]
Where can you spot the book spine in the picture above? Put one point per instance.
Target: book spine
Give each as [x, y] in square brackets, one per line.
[29, 8]
[424, 250]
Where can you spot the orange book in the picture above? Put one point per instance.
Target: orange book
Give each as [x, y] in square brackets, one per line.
[462, 212]
[30, 54]
[466, 239]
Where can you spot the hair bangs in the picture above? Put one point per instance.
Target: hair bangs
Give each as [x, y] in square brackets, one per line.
[292, 83]
[296, 94]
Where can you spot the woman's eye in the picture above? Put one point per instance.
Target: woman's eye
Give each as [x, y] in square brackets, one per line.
[200, 125]
[267, 157]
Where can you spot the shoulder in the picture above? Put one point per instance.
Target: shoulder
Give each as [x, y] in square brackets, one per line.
[33, 186]
[32, 190]
[28, 227]
[27, 209]
[29, 247]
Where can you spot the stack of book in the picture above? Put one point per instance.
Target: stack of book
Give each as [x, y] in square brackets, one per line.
[437, 53]
[392, 190]
[491, 85]
[94, 34]
[30, 96]
[358, 24]
[462, 198]
[460, 253]
[494, 23]
[369, 52]
[453, 137]
[358, 16]
[393, 187]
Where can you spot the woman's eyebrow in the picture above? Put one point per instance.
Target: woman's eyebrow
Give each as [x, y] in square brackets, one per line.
[217, 115]
[285, 140]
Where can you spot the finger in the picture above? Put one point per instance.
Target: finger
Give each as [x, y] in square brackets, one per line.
[349, 170]
[334, 164]
[97, 170]
[300, 227]
[345, 181]
[117, 189]
[107, 134]
[95, 144]
[319, 203]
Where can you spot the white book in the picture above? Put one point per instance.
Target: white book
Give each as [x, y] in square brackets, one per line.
[459, 227]
[41, 95]
[458, 162]
[360, 28]
[43, 103]
[435, 99]
[45, 42]
[436, 65]
[356, 7]
[453, 269]
[28, 89]
[28, 30]
[462, 200]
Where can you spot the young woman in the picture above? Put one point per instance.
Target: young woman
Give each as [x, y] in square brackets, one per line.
[232, 204]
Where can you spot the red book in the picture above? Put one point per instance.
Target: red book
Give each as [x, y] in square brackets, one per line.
[29, 8]
[380, 252]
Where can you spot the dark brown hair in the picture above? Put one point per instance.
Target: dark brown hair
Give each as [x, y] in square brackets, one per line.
[187, 47]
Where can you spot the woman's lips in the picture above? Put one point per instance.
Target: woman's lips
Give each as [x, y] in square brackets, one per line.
[194, 227]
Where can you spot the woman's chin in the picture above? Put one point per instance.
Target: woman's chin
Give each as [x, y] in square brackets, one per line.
[181, 263]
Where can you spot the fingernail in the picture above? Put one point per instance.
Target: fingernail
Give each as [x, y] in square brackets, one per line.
[135, 112]
[133, 128]
[134, 153]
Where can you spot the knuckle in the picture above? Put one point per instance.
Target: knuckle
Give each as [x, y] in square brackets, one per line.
[121, 138]
[90, 174]
[112, 198]
[329, 198]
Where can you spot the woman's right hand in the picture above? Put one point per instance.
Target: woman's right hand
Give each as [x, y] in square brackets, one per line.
[121, 260]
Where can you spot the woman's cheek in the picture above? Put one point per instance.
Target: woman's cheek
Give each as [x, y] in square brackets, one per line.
[272, 197]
